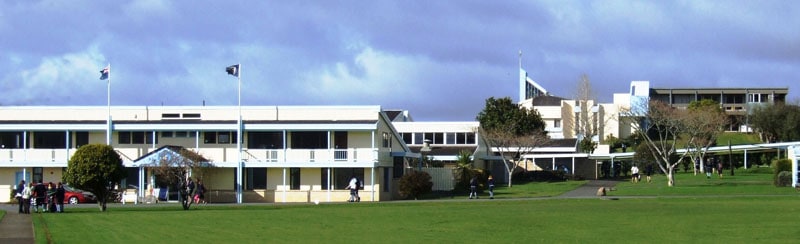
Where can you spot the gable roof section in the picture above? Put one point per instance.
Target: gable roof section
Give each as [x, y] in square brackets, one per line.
[168, 151]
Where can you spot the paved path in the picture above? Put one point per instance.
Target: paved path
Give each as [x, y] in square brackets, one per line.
[15, 228]
[588, 190]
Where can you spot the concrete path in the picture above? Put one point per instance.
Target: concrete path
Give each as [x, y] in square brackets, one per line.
[15, 228]
[588, 190]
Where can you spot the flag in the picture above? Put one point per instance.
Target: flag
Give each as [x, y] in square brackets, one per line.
[233, 70]
[104, 72]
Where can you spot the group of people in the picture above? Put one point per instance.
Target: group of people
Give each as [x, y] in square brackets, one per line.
[473, 187]
[49, 197]
[197, 191]
[636, 177]
[353, 186]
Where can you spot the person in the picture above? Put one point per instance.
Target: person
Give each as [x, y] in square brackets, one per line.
[51, 198]
[719, 168]
[26, 199]
[18, 194]
[709, 168]
[473, 187]
[60, 192]
[189, 191]
[490, 182]
[353, 186]
[634, 174]
[199, 196]
[648, 170]
[40, 193]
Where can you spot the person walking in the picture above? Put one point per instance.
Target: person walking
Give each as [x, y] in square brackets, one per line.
[490, 182]
[18, 194]
[648, 171]
[634, 174]
[199, 196]
[473, 187]
[353, 186]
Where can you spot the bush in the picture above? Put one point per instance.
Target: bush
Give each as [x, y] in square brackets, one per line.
[783, 179]
[779, 166]
[415, 184]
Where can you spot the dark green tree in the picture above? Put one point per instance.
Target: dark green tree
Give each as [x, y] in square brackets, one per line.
[464, 169]
[511, 131]
[95, 168]
[777, 122]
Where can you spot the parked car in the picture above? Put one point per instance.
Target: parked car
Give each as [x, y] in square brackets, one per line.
[75, 196]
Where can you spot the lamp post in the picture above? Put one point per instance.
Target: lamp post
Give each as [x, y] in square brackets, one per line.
[426, 148]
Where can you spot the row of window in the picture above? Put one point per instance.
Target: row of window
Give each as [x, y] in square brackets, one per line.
[449, 138]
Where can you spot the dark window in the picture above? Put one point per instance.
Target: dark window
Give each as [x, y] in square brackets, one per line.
[124, 137]
[11, 140]
[387, 140]
[294, 178]
[407, 137]
[210, 137]
[170, 116]
[49, 139]
[131, 180]
[309, 140]
[342, 176]
[137, 137]
[38, 174]
[438, 138]
[265, 140]
[181, 134]
[418, 138]
[167, 134]
[324, 178]
[256, 178]
[470, 138]
[191, 116]
[81, 138]
[451, 138]
[398, 167]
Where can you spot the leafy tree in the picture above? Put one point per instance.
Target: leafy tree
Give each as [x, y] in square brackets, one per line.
[415, 184]
[777, 122]
[511, 130]
[463, 168]
[176, 165]
[704, 122]
[95, 168]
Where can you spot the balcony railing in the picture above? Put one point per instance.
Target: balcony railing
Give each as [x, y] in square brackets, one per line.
[214, 154]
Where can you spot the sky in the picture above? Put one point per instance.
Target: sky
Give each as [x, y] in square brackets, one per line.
[438, 59]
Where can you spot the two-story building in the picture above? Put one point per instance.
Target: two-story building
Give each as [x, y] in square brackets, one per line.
[286, 153]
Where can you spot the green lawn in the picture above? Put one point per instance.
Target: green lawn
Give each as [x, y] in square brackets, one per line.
[673, 220]
[742, 183]
[740, 209]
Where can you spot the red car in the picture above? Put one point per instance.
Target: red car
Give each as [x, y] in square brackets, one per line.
[75, 196]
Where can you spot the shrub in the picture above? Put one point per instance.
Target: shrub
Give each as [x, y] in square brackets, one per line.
[779, 166]
[783, 179]
[415, 184]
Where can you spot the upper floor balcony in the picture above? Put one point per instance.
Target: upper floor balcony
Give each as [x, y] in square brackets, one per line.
[219, 156]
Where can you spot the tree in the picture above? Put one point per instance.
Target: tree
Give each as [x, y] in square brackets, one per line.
[777, 122]
[463, 168]
[704, 121]
[660, 127]
[95, 168]
[176, 165]
[511, 130]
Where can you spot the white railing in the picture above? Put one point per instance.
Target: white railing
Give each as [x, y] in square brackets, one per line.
[214, 154]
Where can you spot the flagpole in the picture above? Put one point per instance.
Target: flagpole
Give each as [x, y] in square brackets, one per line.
[239, 139]
[108, 100]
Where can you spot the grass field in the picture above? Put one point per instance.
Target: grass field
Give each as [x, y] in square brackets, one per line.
[698, 210]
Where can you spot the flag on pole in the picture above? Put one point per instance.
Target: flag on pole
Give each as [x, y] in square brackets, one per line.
[233, 70]
[104, 73]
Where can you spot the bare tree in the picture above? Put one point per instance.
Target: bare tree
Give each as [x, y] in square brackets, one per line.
[512, 147]
[704, 121]
[660, 127]
[176, 165]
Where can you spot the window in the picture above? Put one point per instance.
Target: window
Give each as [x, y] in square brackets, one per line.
[438, 138]
[178, 134]
[135, 137]
[309, 140]
[219, 137]
[167, 134]
[324, 178]
[11, 140]
[407, 137]
[49, 139]
[754, 98]
[418, 138]
[342, 176]
[38, 174]
[265, 140]
[294, 178]
[256, 178]
[81, 138]
[387, 140]
[397, 167]
[170, 116]
[557, 123]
